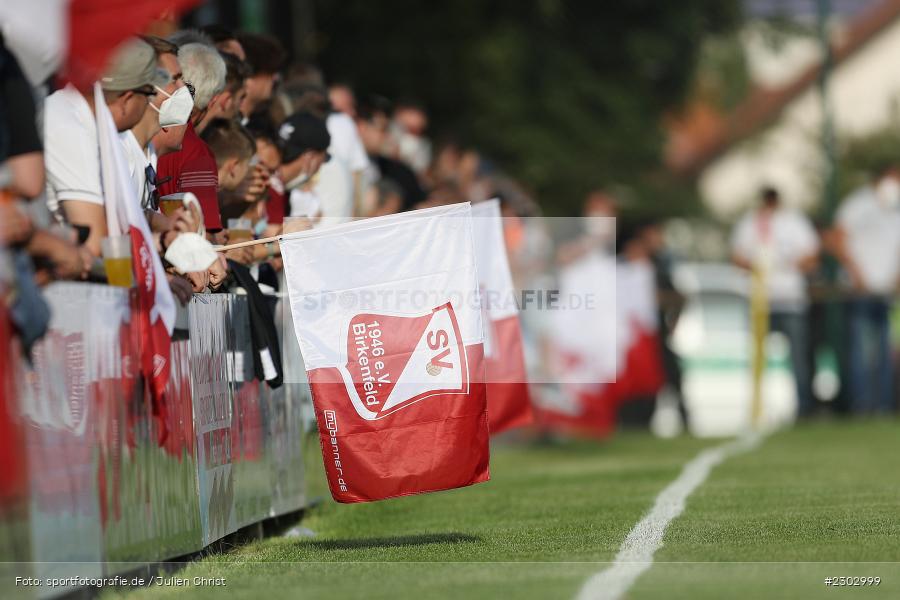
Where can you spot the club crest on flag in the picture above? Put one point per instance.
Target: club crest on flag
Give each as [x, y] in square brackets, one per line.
[395, 361]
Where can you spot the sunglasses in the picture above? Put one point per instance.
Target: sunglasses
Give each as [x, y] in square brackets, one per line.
[150, 199]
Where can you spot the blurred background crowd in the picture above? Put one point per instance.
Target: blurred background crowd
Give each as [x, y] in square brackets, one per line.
[740, 146]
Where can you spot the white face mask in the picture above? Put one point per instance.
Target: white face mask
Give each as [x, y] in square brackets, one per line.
[297, 181]
[176, 108]
[888, 192]
[601, 227]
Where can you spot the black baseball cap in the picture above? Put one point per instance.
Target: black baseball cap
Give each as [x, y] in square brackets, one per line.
[300, 132]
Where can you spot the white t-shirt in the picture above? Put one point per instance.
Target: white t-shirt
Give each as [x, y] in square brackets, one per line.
[777, 247]
[71, 153]
[873, 239]
[137, 165]
[335, 191]
[304, 203]
[346, 145]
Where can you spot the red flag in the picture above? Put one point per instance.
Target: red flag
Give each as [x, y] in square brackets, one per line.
[391, 432]
[13, 473]
[600, 366]
[395, 359]
[509, 404]
[504, 356]
[154, 306]
[641, 372]
[577, 407]
[584, 353]
[97, 27]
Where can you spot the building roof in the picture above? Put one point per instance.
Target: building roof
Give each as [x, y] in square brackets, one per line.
[701, 133]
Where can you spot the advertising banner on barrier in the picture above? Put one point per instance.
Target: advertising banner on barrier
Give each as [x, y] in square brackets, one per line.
[89, 486]
[58, 404]
[388, 317]
[504, 357]
[211, 365]
[250, 462]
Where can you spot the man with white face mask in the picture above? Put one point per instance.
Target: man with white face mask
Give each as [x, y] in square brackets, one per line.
[867, 243]
[164, 123]
[193, 168]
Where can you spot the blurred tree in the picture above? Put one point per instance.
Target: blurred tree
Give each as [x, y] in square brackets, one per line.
[860, 157]
[564, 95]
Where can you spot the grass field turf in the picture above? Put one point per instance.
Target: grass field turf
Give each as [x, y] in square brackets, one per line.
[552, 514]
[821, 500]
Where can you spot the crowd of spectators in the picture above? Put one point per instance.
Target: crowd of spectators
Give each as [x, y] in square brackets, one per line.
[224, 139]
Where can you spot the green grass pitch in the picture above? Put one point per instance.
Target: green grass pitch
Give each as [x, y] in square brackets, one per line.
[820, 500]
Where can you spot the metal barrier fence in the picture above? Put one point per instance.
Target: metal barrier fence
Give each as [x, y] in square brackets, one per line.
[96, 480]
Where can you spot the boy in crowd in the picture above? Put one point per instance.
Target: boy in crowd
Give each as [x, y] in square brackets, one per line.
[265, 55]
[305, 140]
[232, 148]
[269, 154]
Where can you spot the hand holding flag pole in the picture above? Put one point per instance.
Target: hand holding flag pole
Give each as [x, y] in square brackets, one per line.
[265, 240]
[295, 225]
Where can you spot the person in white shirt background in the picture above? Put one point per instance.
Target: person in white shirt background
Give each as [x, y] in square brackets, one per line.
[337, 191]
[867, 240]
[783, 243]
[347, 148]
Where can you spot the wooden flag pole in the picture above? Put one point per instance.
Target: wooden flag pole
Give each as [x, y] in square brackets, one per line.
[266, 240]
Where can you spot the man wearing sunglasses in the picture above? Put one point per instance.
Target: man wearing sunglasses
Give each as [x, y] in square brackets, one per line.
[165, 125]
[74, 190]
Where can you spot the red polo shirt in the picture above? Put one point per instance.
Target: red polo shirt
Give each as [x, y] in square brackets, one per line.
[275, 205]
[193, 169]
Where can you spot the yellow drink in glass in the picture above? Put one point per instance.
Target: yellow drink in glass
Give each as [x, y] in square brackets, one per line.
[239, 235]
[168, 206]
[118, 271]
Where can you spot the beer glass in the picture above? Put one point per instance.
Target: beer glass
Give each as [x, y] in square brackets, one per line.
[117, 260]
[239, 230]
[169, 204]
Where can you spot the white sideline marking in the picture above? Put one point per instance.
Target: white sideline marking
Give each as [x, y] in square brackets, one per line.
[636, 554]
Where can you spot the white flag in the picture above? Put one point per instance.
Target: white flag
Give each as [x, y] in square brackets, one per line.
[388, 316]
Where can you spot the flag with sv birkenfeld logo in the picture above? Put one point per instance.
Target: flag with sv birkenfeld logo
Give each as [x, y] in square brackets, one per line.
[388, 316]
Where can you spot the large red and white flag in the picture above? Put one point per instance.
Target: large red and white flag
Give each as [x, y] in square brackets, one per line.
[641, 372]
[585, 356]
[608, 355]
[388, 318]
[124, 216]
[504, 356]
